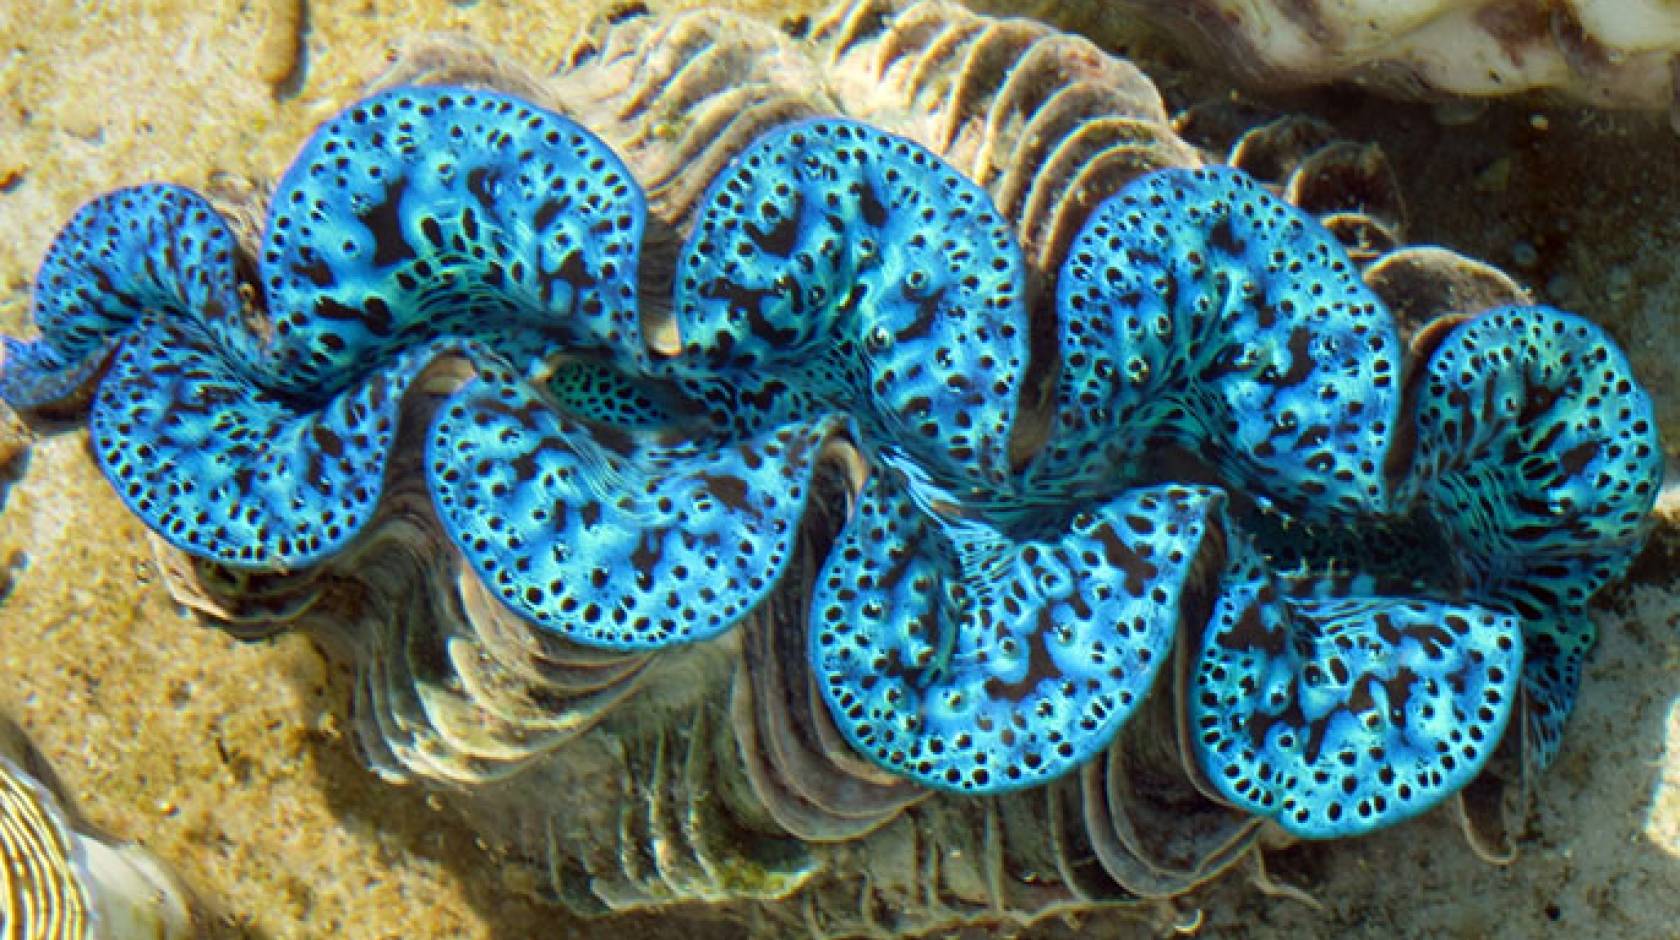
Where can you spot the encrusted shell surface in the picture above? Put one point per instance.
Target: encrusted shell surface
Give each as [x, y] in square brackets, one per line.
[1602, 52]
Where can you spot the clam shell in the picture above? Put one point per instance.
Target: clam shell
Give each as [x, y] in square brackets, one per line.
[712, 772]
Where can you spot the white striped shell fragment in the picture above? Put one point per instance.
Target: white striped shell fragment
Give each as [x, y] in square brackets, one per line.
[59, 882]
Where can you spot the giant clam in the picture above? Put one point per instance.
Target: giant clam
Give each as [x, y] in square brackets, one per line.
[943, 461]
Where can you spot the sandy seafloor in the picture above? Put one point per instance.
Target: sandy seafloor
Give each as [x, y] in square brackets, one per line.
[227, 759]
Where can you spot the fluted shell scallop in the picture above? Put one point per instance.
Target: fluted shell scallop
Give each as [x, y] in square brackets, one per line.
[738, 715]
